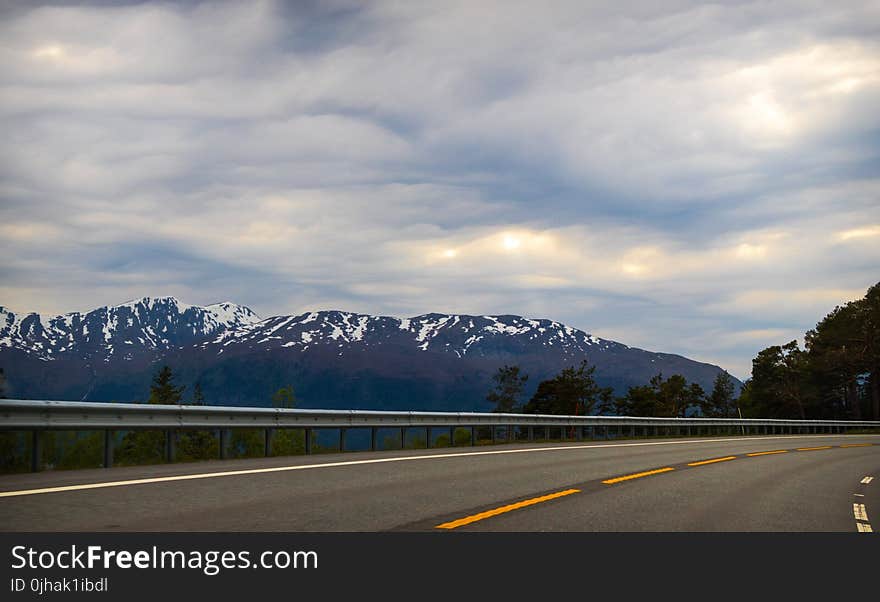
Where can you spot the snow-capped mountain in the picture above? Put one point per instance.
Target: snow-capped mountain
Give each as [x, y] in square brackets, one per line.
[460, 335]
[334, 359]
[122, 330]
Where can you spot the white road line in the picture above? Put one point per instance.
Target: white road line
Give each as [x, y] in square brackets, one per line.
[864, 528]
[859, 512]
[230, 473]
[867, 480]
[859, 494]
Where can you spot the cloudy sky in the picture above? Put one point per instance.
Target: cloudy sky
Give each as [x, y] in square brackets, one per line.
[697, 179]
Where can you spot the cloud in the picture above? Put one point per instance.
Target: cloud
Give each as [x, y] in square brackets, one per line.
[683, 177]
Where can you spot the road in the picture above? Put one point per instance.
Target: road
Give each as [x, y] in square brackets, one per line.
[587, 486]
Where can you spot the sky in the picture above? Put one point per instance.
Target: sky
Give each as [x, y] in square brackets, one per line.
[700, 179]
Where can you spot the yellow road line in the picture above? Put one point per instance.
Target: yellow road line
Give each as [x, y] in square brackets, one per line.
[712, 461]
[767, 453]
[637, 475]
[857, 445]
[813, 448]
[495, 512]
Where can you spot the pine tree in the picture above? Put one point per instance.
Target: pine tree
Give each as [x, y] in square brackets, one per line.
[720, 402]
[284, 397]
[198, 399]
[163, 391]
[778, 386]
[638, 401]
[573, 391]
[870, 315]
[674, 397]
[508, 389]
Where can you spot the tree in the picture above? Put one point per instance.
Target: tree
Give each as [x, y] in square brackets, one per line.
[842, 353]
[198, 399]
[163, 391]
[836, 358]
[675, 397]
[572, 392]
[869, 312]
[508, 389]
[720, 402]
[744, 401]
[641, 400]
[284, 397]
[197, 445]
[777, 387]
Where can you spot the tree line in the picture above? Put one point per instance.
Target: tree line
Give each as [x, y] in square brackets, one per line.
[163, 390]
[836, 375]
[574, 392]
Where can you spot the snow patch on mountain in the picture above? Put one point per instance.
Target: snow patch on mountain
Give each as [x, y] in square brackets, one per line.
[444, 333]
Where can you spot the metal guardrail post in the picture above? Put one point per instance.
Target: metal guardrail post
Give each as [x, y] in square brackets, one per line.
[451, 436]
[473, 436]
[36, 451]
[224, 444]
[531, 433]
[374, 436]
[169, 446]
[307, 440]
[108, 448]
[267, 442]
[403, 437]
[428, 437]
[342, 440]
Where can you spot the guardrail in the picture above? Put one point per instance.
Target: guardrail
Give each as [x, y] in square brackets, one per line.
[38, 416]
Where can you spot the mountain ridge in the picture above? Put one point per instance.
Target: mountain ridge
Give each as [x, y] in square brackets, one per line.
[335, 358]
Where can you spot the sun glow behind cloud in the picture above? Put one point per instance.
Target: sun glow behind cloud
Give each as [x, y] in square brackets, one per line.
[49, 52]
[511, 243]
[857, 233]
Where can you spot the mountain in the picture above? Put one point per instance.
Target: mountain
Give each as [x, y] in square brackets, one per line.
[144, 324]
[334, 359]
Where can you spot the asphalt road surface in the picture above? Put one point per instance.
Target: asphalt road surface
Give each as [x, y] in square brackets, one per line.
[811, 483]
